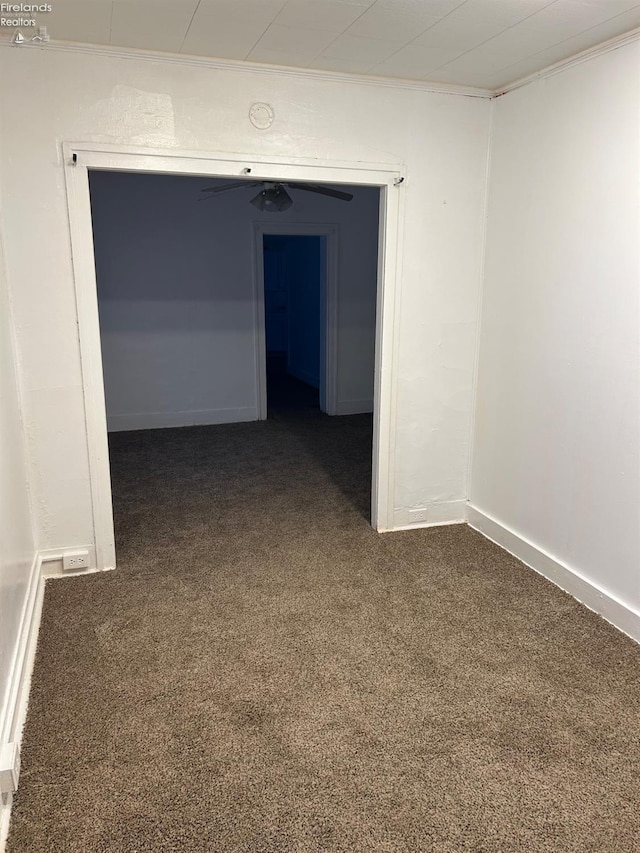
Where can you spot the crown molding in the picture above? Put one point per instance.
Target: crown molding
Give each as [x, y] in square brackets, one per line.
[332, 76]
[577, 58]
[253, 67]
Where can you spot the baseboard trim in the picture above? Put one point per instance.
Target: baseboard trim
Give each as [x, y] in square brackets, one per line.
[20, 672]
[51, 559]
[161, 420]
[15, 710]
[354, 407]
[437, 514]
[620, 615]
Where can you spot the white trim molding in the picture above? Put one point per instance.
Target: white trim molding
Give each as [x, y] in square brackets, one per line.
[620, 615]
[434, 514]
[161, 420]
[14, 712]
[215, 63]
[78, 158]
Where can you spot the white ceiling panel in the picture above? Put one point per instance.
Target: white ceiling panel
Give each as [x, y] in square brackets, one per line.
[611, 7]
[459, 78]
[622, 23]
[527, 48]
[369, 51]
[431, 8]
[383, 22]
[522, 68]
[453, 34]
[345, 66]
[295, 39]
[485, 43]
[236, 40]
[413, 61]
[566, 19]
[329, 15]
[129, 22]
[79, 20]
[500, 14]
[278, 57]
[264, 11]
[165, 13]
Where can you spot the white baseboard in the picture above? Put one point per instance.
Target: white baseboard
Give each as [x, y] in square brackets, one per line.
[6, 802]
[51, 559]
[433, 515]
[354, 407]
[20, 673]
[14, 713]
[160, 420]
[620, 615]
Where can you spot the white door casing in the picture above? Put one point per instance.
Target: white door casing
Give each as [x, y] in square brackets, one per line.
[79, 158]
[331, 233]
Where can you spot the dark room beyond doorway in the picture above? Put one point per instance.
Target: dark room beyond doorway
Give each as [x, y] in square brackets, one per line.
[294, 299]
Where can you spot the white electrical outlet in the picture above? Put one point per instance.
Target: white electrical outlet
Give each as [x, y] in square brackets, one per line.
[418, 515]
[74, 561]
[9, 768]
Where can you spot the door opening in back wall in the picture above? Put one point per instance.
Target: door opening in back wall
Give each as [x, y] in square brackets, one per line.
[211, 316]
[295, 294]
[149, 322]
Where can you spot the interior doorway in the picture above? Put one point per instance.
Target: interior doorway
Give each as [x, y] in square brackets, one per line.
[80, 158]
[296, 272]
[294, 289]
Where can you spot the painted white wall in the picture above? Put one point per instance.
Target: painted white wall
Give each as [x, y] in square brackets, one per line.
[557, 429]
[17, 545]
[175, 286]
[442, 139]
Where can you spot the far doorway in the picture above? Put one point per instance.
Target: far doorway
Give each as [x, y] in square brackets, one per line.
[295, 323]
[296, 287]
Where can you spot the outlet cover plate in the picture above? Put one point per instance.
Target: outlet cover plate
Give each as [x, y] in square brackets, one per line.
[75, 561]
[418, 515]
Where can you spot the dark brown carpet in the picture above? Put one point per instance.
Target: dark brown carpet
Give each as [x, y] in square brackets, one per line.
[266, 673]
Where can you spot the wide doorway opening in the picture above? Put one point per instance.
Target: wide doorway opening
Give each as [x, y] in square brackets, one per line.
[81, 160]
[212, 317]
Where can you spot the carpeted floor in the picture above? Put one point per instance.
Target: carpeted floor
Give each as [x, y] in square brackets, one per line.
[266, 673]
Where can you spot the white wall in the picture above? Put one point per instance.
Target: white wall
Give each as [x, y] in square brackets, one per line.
[17, 547]
[442, 140]
[558, 411]
[175, 285]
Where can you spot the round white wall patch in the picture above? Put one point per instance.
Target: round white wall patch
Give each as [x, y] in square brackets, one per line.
[261, 116]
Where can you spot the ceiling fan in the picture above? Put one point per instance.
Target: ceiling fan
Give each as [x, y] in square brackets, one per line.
[273, 196]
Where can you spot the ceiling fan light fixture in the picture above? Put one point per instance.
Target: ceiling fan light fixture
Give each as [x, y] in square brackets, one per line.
[273, 199]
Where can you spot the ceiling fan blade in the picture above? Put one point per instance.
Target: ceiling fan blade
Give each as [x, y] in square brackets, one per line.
[231, 187]
[314, 188]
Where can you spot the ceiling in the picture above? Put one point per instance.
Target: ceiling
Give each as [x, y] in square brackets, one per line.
[483, 43]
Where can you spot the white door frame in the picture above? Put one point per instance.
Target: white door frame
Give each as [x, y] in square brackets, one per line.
[79, 157]
[311, 229]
